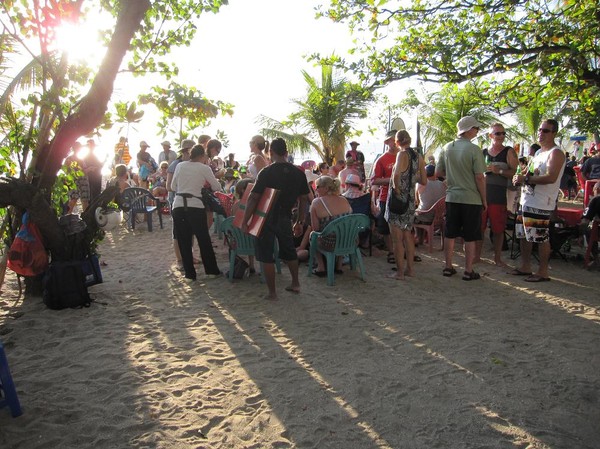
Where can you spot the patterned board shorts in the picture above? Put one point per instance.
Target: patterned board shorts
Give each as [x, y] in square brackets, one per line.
[535, 225]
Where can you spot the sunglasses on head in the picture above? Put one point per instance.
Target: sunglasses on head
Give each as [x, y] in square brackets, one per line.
[545, 130]
[500, 133]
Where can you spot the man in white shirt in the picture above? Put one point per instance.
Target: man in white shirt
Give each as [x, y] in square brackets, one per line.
[538, 200]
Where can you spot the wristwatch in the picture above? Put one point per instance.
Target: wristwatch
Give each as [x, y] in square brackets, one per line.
[501, 172]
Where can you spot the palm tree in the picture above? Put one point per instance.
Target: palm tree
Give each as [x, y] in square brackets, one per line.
[324, 117]
[443, 109]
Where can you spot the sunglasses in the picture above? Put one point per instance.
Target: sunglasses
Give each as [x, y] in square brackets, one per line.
[500, 133]
[545, 130]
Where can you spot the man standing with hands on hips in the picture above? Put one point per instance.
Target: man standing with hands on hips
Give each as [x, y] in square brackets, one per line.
[538, 200]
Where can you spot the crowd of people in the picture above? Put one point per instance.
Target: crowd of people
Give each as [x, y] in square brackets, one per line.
[479, 187]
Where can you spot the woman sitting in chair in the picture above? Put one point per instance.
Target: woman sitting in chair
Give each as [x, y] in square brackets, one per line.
[328, 206]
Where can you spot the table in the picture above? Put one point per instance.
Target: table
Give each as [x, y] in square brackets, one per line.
[572, 217]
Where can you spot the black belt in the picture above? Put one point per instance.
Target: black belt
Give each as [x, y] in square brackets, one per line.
[185, 197]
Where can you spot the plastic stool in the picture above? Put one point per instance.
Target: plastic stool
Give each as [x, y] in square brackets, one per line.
[8, 394]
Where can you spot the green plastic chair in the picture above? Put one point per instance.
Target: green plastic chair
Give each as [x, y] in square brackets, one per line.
[346, 230]
[242, 244]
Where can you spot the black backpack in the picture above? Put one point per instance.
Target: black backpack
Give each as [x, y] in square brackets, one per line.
[64, 286]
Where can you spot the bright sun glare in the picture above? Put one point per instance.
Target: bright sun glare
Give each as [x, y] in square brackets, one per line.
[79, 42]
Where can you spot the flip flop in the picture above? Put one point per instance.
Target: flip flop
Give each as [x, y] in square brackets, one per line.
[320, 274]
[517, 272]
[536, 278]
[291, 289]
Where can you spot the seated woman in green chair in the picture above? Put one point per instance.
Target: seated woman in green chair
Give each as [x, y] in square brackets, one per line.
[328, 206]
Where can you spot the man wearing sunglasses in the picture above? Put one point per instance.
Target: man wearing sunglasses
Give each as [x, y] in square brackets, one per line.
[501, 165]
[538, 200]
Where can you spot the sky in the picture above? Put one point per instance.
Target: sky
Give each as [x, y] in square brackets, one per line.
[250, 54]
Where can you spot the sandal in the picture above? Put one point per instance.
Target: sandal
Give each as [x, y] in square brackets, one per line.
[448, 272]
[472, 276]
[320, 274]
[536, 278]
[391, 258]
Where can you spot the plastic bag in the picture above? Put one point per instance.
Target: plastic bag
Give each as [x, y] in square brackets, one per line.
[27, 255]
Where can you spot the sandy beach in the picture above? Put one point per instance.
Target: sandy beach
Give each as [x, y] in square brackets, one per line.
[432, 362]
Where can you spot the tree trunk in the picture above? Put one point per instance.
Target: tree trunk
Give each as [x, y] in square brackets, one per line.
[92, 108]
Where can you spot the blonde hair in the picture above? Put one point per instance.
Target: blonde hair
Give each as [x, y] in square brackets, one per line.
[332, 185]
[403, 137]
[260, 142]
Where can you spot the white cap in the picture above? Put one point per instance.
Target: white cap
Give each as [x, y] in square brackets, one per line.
[466, 123]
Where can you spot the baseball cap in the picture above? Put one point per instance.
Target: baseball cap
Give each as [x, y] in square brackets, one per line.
[390, 133]
[466, 123]
[144, 144]
[353, 179]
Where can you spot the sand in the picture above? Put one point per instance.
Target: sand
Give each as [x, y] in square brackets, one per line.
[432, 362]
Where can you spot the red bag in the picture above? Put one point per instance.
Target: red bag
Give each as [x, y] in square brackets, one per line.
[27, 255]
[226, 201]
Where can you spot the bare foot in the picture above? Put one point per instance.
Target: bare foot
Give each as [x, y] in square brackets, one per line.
[395, 275]
[501, 264]
[409, 273]
[293, 288]
[271, 297]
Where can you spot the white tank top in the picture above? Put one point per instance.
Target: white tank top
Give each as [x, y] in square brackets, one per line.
[542, 196]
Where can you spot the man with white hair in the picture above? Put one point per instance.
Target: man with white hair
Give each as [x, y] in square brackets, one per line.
[462, 164]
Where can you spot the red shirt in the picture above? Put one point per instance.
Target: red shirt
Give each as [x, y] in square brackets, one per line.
[383, 169]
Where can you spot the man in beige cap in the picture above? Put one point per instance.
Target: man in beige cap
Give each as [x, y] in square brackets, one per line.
[167, 154]
[462, 164]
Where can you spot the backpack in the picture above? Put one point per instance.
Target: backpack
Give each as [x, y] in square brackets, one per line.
[64, 286]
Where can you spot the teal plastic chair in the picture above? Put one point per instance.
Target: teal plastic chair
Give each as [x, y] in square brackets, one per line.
[346, 230]
[242, 244]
